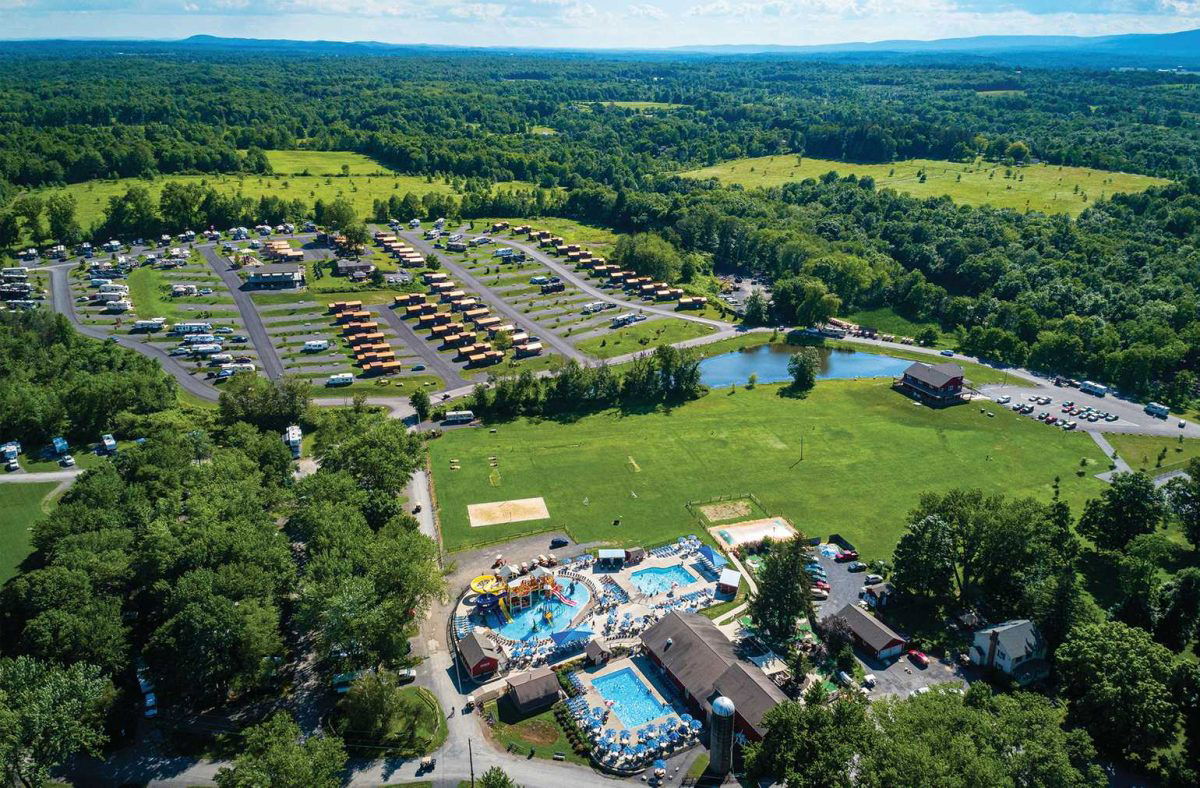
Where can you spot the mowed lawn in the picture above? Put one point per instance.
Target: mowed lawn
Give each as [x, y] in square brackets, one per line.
[20, 508]
[323, 162]
[600, 240]
[1143, 452]
[868, 453]
[1038, 187]
[643, 336]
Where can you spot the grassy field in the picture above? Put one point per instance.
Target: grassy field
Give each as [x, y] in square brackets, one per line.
[643, 336]
[888, 322]
[1142, 451]
[92, 196]
[20, 507]
[643, 105]
[868, 453]
[323, 162]
[1039, 187]
[148, 290]
[421, 725]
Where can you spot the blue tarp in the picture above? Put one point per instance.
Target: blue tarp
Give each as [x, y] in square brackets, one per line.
[570, 636]
[714, 558]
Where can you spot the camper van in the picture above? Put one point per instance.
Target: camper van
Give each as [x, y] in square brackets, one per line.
[200, 339]
[340, 379]
[108, 443]
[315, 345]
[204, 350]
[1096, 389]
[414, 223]
[149, 326]
[460, 417]
[244, 366]
[292, 436]
[1158, 410]
[192, 328]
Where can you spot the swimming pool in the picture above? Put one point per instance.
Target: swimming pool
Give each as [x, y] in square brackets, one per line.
[656, 580]
[633, 703]
[531, 621]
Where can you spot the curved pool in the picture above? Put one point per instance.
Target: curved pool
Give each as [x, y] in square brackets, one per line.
[770, 362]
[531, 622]
[658, 580]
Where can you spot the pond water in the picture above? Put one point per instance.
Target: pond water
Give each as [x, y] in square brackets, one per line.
[770, 362]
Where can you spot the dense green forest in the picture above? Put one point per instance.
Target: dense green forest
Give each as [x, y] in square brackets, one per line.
[169, 559]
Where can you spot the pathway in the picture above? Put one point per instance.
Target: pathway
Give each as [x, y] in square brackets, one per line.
[65, 475]
[751, 588]
[1111, 453]
[251, 319]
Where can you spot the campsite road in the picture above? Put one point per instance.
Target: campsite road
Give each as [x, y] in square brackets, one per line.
[434, 362]
[267, 354]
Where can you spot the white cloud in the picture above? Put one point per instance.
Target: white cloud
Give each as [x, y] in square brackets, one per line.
[646, 11]
[477, 11]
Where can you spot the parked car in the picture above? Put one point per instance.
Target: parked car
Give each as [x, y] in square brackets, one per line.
[1003, 400]
[873, 579]
[918, 657]
[406, 675]
[818, 593]
[821, 584]
[557, 542]
[947, 352]
[847, 555]
[418, 367]
[857, 566]
[67, 461]
[223, 330]
[239, 338]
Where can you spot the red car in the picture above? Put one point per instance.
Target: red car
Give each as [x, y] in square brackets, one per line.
[847, 555]
[821, 584]
[918, 657]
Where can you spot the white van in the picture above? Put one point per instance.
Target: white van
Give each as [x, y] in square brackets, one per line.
[340, 379]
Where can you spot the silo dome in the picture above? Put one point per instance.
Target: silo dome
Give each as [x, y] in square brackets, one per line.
[723, 706]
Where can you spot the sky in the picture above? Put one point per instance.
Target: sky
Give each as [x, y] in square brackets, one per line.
[590, 23]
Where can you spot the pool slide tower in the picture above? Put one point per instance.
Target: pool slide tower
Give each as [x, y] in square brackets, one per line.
[490, 592]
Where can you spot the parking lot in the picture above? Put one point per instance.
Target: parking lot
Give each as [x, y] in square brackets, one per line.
[900, 677]
[1130, 415]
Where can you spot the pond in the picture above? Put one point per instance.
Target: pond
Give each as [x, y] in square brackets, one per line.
[770, 362]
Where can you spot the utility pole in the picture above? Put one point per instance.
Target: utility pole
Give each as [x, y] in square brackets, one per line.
[471, 760]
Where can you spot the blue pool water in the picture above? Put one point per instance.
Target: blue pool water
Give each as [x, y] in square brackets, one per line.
[658, 580]
[531, 622]
[633, 703]
[770, 362]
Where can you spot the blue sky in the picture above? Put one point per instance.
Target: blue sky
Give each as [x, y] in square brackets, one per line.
[591, 23]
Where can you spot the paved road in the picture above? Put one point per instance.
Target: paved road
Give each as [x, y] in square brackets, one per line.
[65, 475]
[267, 354]
[60, 292]
[499, 305]
[435, 362]
[583, 283]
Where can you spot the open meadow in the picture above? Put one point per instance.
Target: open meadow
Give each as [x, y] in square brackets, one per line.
[1036, 187]
[361, 188]
[852, 458]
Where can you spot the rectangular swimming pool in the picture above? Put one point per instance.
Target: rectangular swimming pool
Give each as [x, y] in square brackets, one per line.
[657, 580]
[633, 703]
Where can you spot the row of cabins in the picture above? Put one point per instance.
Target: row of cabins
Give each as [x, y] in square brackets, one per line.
[450, 327]
[371, 349]
[629, 281]
[282, 251]
[399, 250]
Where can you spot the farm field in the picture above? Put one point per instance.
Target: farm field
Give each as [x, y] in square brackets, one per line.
[643, 336]
[1142, 451]
[323, 162]
[1045, 188]
[92, 196]
[20, 507]
[868, 453]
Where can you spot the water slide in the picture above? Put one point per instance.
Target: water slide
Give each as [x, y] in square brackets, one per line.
[504, 609]
[558, 594]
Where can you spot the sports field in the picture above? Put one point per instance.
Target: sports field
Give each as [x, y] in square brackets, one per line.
[867, 455]
[20, 507]
[1038, 187]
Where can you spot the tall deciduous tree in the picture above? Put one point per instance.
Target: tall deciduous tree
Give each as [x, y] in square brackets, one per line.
[1116, 679]
[48, 714]
[275, 754]
[803, 367]
[1129, 506]
[783, 595]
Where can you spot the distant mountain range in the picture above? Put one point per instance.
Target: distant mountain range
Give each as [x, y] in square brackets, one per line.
[1144, 50]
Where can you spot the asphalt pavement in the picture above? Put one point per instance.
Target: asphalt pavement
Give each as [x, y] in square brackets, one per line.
[435, 362]
[268, 356]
